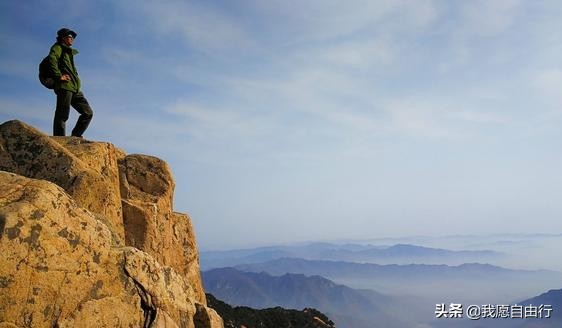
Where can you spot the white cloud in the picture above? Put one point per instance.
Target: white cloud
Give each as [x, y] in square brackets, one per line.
[335, 84]
[372, 54]
[481, 117]
[548, 82]
[489, 18]
[422, 118]
[220, 124]
[317, 20]
[198, 25]
[118, 55]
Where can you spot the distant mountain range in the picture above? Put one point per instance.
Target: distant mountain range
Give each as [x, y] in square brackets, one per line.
[409, 280]
[552, 298]
[353, 308]
[396, 254]
[440, 283]
[347, 307]
[237, 317]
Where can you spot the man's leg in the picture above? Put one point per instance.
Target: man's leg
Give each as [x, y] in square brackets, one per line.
[81, 105]
[61, 113]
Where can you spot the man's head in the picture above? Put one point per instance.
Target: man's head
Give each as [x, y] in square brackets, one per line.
[66, 36]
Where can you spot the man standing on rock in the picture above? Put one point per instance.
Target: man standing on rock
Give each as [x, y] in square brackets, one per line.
[67, 85]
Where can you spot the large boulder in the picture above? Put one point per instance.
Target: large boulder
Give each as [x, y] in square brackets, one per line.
[59, 267]
[87, 171]
[89, 238]
[131, 194]
[57, 264]
[147, 189]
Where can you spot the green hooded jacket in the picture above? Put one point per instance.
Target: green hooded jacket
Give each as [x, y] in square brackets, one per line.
[61, 59]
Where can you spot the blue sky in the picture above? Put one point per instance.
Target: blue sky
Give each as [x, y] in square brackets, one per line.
[317, 120]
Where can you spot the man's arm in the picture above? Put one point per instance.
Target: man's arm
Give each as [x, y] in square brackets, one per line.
[54, 57]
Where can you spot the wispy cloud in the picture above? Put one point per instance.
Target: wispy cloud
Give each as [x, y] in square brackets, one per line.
[223, 124]
[198, 25]
[481, 117]
[483, 18]
[548, 83]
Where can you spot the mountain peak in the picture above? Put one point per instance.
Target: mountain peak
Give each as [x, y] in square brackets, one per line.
[89, 237]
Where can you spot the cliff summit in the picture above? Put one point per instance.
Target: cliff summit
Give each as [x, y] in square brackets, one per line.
[89, 238]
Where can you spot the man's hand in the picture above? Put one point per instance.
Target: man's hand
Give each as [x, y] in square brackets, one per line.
[65, 77]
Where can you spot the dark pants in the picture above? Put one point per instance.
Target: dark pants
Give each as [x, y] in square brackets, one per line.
[65, 99]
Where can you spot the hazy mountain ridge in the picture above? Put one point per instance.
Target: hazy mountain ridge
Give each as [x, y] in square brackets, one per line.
[287, 265]
[382, 310]
[395, 254]
[467, 282]
[553, 298]
[431, 273]
[346, 306]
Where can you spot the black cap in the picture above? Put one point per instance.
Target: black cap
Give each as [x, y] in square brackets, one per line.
[64, 32]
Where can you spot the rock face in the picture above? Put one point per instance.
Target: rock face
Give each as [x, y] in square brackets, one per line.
[88, 238]
[86, 171]
[147, 190]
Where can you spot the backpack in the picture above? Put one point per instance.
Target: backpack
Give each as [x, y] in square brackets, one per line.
[46, 76]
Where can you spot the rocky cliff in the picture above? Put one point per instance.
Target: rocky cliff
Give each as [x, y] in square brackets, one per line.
[89, 238]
